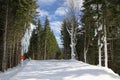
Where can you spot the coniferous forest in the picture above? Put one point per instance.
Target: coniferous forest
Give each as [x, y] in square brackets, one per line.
[96, 42]
[100, 20]
[15, 16]
[43, 44]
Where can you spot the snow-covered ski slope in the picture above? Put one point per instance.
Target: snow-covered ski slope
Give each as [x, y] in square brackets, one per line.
[60, 70]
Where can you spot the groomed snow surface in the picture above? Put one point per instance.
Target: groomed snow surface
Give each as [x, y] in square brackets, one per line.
[58, 70]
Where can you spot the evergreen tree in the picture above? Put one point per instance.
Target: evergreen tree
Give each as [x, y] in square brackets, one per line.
[65, 40]
[46, 34]
[50, 44]
[43, 44]
[104, 18]
[40, 40]
[16, 15]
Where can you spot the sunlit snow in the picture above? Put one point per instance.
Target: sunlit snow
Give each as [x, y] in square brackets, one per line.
[59, 70]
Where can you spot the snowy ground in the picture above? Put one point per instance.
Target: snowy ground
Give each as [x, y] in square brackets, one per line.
[58, 70]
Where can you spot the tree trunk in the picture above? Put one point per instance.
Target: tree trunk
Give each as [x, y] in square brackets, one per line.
[99, 49]
[4, 63]
[17, 51]
[10, 63]
[105, 46]
[12, 55]
[85, 47]
[45, 52]
[99, 37]
[72, 45]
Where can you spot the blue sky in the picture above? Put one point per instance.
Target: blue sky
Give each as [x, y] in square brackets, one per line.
[56, 11]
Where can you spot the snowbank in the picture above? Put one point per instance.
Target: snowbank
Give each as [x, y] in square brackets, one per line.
[11, 72]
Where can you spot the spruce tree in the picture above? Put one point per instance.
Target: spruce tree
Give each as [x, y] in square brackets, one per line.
[104, 15]
[19, 14]
[65, 37]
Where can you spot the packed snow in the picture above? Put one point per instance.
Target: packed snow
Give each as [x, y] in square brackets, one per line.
[58, 70]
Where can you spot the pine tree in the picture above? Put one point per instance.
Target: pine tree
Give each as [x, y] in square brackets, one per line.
[50, 43]
[40, 40]
[46, 33]
[43, 44]
[16, 23]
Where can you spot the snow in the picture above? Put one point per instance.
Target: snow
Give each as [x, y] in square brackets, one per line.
[95, 33]
[100, 28]
[11, 72]
[59, 70]
[26, 39]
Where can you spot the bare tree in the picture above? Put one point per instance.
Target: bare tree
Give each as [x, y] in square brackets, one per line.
[72, 27]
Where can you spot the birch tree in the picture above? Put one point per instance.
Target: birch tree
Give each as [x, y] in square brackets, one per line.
[98, 29]
[72, 27]
[104, 43]
[88, 24]
[104, 24]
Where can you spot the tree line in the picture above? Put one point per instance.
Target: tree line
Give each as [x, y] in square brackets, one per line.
[15, 17]
[43, 44]
[97, 40]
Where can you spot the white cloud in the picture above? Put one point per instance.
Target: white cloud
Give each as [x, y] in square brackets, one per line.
[56, 28]
[42, 13]
[45, 2]
[61, 11]
[77, 3]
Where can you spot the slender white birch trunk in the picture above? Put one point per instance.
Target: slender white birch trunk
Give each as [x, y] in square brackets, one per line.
[72, 44]
[99, 49]
[105, 46]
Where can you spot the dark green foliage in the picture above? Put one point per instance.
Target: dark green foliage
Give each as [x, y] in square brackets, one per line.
[80, 48]
[43, 44]
[15, 16]
[97, 13]
[65, 40]
[107, 14]
[33, 49]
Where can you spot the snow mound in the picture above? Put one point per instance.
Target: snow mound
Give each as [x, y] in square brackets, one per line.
[61, 70]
